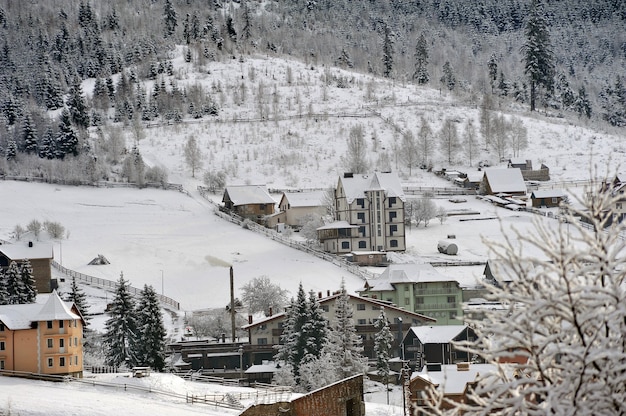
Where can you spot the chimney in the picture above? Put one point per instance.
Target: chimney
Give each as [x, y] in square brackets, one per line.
[30, 244]
[271, 311]
[319, 295]
[328, 293]
[249, 319]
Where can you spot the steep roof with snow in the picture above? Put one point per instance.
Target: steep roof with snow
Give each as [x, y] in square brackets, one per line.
[356, 186]
[47, 308]
[505, 180]
[406, 273]
[548, 193]
[337, 225]
[304, 199]
[451, 379]
[440, 334]
[248, 194]
[23, 250]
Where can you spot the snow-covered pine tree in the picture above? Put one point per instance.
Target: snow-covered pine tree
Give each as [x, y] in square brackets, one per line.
[121, 328]
[28, 286]
[152, 333]
[382, 346]
[78, 297]
[346, 345]
[562, 332]
[4, 292]
[14, 285]
[29, 139]
[66, 140]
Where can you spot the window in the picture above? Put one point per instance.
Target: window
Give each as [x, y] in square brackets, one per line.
[361, 322]
[324, 308]
[76, 360]
[452, 315]
[1, 327]
[262, 207]
[554, 200]
[1, 364]
[392, 201]
[407, 301]
[360, 216]
[2, 346]
[62, 361]
[50, 343]
[61, 343]
[76, 341]
[618, 205]
[393, 243]
[61, 324]
[451, 299]
[74, 323]
[345, 245]
[392, 215]
[362, 244]
[50, 362]
[49, 324]
[360, 306]
[419, 300]
[360, 202]
[362, 230]
[393, 229]
[69, 340]
[262, 341]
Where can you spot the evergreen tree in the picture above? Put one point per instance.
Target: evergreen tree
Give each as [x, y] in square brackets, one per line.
[14, 284]
[537, 51]
[388, 40]
[10, 152]
[47, 150]
[152, 334]
[28, 287]
[169, 18]
[492, 65]
[582, 104]
[421, 61]
[382, 346]
[230, 29]
[448, 79]
[78, 297]
[4, 289]
[66, 140]
[343, 339]
[121, 330]
[29, 138]
[77, 107]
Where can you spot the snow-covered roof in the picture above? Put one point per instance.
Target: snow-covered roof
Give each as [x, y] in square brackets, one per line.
[356, 186]
[337, 225]
[20, 316]
[266, 367]
[505, 180]
[304, 199]
[406, 273]
[439, 334]
[517, 161]
[451, 379]
[248, 194]
[548, 193]
[475, 176]
[23, 250]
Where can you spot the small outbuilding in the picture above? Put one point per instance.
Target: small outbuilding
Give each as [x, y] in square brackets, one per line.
[548, 198]
[503, 181]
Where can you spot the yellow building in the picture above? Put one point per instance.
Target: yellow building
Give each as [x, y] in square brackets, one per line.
[45, 337]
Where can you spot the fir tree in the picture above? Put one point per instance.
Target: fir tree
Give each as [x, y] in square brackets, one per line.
[14, 284]
[387, 51]
[151, 342]
[47, 150]
[121, 328]
[28, 287]
[10, 152]
[4, 291]
[421, 61]
[169, 18]
[382, 346]
[537, 51]
[28, 134]
[78, 297]
[67, 140]
[448, 79]
[347, 345]
[77, 107]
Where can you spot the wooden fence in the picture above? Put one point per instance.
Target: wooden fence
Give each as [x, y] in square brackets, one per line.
[109, 284]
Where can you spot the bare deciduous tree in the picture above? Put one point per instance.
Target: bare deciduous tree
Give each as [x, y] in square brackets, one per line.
[193, 155]
[449, 138]
[355, 160]
[261, 295]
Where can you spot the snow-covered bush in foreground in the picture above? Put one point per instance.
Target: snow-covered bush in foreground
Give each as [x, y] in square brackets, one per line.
[566, 316]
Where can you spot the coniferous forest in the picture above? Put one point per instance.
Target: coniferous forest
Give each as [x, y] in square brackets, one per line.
[469, 47]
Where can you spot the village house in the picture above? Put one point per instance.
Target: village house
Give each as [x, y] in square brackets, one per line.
[249, 201]
[498, 181]
[296, 207]
[369, 214]
[265, 334]
[45, 337]
[419, 288]
[40, 256]
[548, 198]
[453, 381]
[434, 344]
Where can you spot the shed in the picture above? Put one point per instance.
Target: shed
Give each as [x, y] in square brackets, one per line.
[547, 197]
[503, 181]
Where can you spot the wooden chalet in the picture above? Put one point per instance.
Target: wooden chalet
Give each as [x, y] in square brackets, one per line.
[249, 201]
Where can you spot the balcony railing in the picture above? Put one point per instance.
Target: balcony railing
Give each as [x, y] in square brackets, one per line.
[431, 306]
[441, 291]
